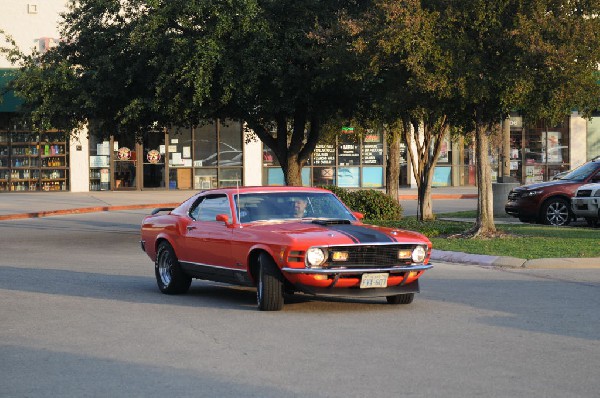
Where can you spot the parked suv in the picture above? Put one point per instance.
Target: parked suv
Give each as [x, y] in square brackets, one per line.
[586, 203]
[550, 202]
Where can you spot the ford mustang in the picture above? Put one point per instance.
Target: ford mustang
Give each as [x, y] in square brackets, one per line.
[282, 240]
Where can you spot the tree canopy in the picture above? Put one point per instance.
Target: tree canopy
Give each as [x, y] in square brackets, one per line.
[283, 67]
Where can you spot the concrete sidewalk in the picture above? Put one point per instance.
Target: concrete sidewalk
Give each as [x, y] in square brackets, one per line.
[20, 205]
[39, 204]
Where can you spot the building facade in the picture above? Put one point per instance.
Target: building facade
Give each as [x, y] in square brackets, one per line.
[219, 153]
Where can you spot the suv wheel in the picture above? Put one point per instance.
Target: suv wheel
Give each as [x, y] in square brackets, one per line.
[555, 211]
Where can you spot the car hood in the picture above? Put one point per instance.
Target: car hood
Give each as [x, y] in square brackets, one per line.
[547, 184]
[338, 233]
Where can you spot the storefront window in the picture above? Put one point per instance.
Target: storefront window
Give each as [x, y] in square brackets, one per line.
[348, 177]
[442, 174]
[230, 144]
[153, 160]
[324, 170]
[205, 178]
[125, 162]
[205, 148]
[180, 158]
[30, 161]
[372, 177]
[545, 153]
[99, 164]
[230, 177]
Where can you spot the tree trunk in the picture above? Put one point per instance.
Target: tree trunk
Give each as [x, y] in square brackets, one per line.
[392, 176]
[425, 203]
[292, 172]
[485, 205]
[424, 147]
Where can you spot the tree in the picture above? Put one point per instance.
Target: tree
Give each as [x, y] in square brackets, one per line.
[408, 86]
[283, 67]
[536, 56]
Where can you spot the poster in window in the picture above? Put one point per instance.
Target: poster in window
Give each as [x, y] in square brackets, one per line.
[348, 177]
[348, 153]
[324, 155]
[372, 149]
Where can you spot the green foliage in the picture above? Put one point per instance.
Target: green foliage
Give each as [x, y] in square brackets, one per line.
[520, 240]
[374, 205]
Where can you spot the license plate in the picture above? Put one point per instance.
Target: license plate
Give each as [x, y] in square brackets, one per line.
[374, 280]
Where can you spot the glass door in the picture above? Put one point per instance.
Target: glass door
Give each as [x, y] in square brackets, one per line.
[153, 143]
[124, 163]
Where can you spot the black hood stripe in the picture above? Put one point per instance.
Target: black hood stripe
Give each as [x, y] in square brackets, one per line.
[360, 234]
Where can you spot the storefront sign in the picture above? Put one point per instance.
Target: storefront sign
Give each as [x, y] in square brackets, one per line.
[99, 161]
[124, 153]
[153, 156]
[516, 121]
[324, 155]
[372, 154]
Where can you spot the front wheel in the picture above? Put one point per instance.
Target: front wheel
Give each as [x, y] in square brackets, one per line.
[556, 212]
[169, 276]
[401, 298]
[269, 289]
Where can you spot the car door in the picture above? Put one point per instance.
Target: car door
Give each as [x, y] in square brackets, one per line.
[207, 242]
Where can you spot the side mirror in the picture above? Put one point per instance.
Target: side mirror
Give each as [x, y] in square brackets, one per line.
[223, 218]
[358, 215]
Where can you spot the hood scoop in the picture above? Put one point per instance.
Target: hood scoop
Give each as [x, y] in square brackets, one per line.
[331, 222]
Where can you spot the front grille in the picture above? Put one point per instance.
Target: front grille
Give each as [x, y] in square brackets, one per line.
[513, 195]
[584, 193]
[370, 255]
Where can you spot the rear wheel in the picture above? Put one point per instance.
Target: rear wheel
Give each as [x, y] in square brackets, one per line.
[269, 289]
[401, 298]
[555, 211]
[169, 276]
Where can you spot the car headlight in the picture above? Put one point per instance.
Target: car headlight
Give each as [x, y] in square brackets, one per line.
[418, 254]
[528, 194]
[315, 257]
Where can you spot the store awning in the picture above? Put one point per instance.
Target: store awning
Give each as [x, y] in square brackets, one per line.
[9, 102]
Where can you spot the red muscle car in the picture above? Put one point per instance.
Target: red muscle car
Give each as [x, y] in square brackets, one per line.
[282, 240]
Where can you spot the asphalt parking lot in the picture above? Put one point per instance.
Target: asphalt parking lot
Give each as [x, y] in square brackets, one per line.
[82, 316]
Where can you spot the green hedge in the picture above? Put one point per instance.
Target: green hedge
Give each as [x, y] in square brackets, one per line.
[374, 205]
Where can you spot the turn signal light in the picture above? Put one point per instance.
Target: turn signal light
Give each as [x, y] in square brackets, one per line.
[339, 256]
[404, 254]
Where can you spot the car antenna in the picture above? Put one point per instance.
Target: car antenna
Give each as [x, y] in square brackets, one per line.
[237, 202]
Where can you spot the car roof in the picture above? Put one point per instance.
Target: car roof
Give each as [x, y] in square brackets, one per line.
[265, 189]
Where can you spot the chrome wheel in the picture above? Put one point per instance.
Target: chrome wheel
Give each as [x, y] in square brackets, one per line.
[165, 265]
[170, 278]
[556, 212]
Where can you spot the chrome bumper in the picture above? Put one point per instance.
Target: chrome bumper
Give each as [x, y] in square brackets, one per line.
[341, 270]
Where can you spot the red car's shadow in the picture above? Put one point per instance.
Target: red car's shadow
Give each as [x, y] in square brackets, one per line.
[214, 294]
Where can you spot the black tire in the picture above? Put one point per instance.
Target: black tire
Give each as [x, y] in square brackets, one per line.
[555, 211]
[169, 276]
[401, 298]
[269, 289]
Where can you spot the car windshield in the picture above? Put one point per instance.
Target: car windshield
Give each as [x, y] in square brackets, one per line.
[272, 206]
[581, 173]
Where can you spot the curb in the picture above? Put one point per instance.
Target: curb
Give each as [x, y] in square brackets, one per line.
[513, 262]
[83, 210]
